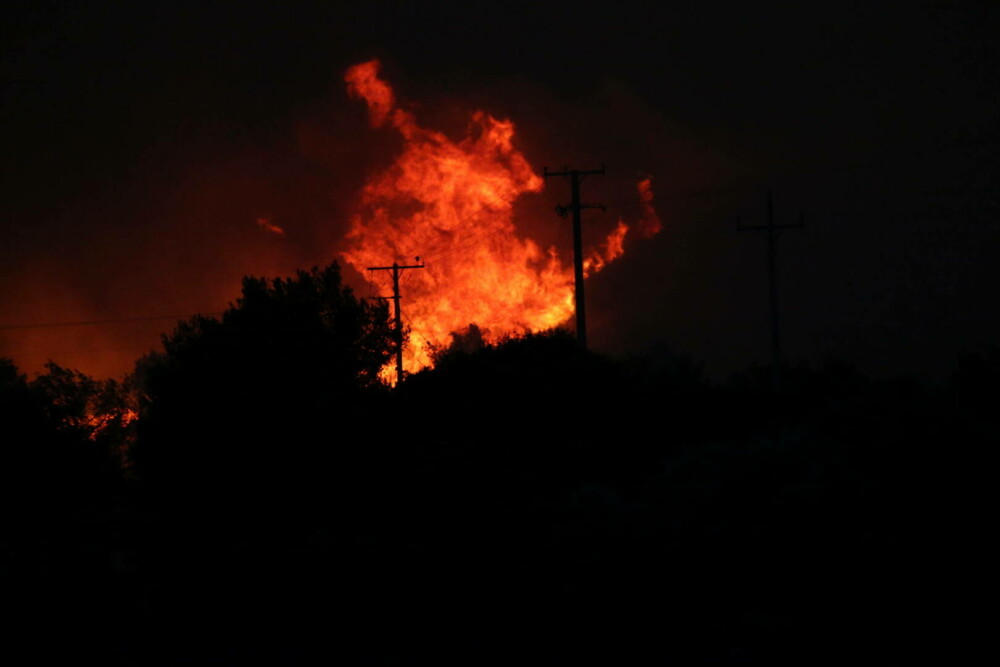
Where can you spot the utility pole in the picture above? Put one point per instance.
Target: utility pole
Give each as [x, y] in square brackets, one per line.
[396, 269]
[771, 233]
[575, 176]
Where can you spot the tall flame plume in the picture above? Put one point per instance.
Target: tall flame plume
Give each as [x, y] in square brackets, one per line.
[451, 203]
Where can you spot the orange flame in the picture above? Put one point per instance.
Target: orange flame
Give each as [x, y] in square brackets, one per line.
[451, 202]
[265, 223]
[362, 81]
[611, 250]
[98, 423]
[649, 223]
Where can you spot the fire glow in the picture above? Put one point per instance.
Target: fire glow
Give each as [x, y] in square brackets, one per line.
[451, 202]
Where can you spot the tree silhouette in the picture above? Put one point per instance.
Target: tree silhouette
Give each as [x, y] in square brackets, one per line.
[241, 406]
[96, 412]
[65, 430]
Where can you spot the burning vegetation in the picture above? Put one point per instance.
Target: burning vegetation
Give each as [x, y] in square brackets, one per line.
[451, 202]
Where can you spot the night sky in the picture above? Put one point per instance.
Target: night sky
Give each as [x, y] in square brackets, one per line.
[142, 141]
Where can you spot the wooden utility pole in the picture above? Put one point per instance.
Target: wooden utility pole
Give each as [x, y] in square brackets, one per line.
[396, 268]
[771, 233]
[575, 176]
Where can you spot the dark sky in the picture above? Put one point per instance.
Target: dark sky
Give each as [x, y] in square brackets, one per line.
[142, 140]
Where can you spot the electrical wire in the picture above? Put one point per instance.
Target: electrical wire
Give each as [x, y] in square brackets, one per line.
[78, 353]
[48, 325]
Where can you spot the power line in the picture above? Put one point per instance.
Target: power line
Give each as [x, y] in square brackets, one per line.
[77, 353]
[11, 327]
[416, 331]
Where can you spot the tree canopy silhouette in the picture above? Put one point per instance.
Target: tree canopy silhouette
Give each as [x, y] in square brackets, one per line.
[64, 431]
[232, 401]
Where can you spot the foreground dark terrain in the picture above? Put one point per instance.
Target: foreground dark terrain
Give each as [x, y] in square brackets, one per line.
[524, 503]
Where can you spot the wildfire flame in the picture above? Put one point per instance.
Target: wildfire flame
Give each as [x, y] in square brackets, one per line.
[265, 223]
[451, 202]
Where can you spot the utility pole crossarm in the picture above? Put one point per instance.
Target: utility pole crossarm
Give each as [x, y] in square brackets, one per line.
[395, 266]
[570, 172]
